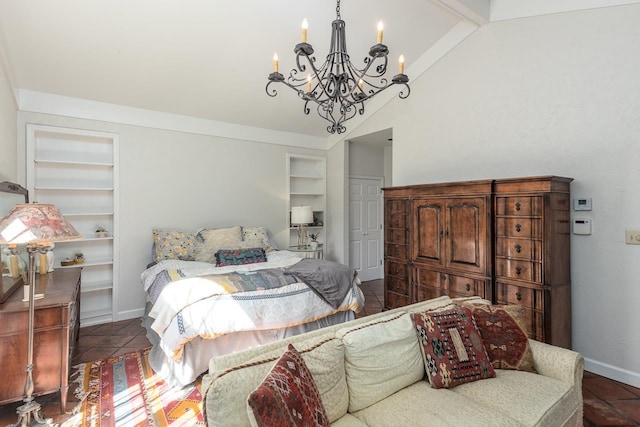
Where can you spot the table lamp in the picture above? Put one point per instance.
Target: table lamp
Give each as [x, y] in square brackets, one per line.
[31, 227]
[301, 216]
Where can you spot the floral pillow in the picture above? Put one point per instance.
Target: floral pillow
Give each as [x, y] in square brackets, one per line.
[174, 245]
[288, 396]
[452, 348]
[502, 328]
[257, 237]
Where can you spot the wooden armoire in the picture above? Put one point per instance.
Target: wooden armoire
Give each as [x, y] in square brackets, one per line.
[505, 240]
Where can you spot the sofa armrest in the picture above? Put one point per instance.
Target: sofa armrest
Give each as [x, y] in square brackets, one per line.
[557, 362]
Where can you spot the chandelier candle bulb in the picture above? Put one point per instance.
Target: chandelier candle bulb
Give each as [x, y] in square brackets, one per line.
[275, 62]
[308, 83]
[380, 31]
[360, 84]
[401, 64]
[305, 27]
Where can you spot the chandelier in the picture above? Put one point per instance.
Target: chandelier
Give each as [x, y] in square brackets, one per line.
[337, 87]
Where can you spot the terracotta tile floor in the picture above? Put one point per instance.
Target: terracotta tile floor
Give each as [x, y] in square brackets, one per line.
[606, 402]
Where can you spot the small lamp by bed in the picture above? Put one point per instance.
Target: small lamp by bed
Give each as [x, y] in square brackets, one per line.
[301, 216]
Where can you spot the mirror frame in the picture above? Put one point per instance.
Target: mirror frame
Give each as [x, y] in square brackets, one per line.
[12, 188]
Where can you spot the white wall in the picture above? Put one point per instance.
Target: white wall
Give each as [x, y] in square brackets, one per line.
[8, 114]
[184, 181]
[556, 94]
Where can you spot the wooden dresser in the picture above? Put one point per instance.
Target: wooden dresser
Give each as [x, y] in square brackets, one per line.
[505, 240]
[56, 327]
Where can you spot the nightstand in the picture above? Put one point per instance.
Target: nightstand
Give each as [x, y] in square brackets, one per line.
[308, 251]
[57, 320]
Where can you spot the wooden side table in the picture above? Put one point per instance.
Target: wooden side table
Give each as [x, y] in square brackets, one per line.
[308, 251]
[57, 321]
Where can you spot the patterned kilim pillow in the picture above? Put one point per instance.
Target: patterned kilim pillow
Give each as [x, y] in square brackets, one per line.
[240, 256]
[452, 347]
[503, 332]
[288, 396]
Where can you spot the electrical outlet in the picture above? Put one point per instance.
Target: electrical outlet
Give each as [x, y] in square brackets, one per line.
[633, 237]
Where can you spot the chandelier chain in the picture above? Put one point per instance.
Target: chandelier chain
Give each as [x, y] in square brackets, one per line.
[338, 10]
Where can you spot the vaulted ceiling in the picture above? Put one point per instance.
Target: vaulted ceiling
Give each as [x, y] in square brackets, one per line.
[202, 58]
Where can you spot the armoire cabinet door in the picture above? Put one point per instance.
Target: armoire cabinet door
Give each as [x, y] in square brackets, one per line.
[465, 234]
[429, 226]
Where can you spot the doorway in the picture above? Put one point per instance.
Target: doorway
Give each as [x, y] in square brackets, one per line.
[365, 227]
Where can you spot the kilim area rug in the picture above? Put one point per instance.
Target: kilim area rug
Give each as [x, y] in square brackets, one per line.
[124, 391]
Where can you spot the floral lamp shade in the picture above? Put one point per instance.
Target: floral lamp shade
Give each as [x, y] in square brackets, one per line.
[36, 223]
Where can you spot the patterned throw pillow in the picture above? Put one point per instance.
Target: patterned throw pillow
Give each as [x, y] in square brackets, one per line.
[240, 256]
[215, 239]
[288, 396]
[452, 348]
[257, 237]
[174, 245]
[502, 328]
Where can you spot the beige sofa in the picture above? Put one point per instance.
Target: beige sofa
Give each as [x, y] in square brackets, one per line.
[370, 372]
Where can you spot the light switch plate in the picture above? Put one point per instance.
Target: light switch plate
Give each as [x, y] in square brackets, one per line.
[633, 237]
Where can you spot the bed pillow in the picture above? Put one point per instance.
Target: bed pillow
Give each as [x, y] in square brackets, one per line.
[502, 328]
[174, 245]
[257, 237]
[288, 396]
[215, 239]
[240, 256]
[452, 349]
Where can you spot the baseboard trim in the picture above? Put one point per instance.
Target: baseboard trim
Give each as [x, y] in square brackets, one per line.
[612, 372]
[130, 314]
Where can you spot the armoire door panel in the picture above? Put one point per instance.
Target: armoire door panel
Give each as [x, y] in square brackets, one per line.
[466, 231]
[429, 229]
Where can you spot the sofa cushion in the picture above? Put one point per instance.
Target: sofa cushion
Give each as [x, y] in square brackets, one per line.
[381, 357]
[452, 347]
[533, 399]
[502, 328]
[288, 396]
[421, 405]
[232, 382]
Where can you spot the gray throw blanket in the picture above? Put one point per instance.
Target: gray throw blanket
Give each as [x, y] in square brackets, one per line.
[330, 280]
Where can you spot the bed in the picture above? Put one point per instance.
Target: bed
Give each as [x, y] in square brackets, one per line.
[219, 296]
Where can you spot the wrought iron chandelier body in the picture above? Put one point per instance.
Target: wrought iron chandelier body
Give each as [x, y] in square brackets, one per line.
[337, 87]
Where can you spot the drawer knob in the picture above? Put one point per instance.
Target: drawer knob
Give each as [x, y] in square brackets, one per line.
[518, 227]
[518, 296]
[518, 206]
[518, 270]
[468, 287]
[518, 248]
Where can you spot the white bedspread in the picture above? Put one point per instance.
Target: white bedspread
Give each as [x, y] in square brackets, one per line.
[197, 306]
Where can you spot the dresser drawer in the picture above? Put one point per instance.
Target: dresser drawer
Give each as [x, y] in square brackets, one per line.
[518, 227]
[519, 206]
[396, 269]
[526, 249]
[513, 294]
[396, 235]
[424, 293]
[396, 220]
[396, 250]
[430, 278]
[460, 286]
[393, 300]
[396, 206]
[517, 269]
[398, 285]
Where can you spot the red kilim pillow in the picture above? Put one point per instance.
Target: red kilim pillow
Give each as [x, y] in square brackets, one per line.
[503, 332]
[452, 347]
[288, 396]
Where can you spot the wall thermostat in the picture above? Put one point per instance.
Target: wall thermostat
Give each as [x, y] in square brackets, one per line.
[581, 226]
[582, 204]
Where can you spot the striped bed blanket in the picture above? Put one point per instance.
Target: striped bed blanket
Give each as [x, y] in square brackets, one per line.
[194, 300]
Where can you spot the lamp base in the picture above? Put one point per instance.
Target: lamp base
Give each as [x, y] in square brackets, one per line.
[29, 415]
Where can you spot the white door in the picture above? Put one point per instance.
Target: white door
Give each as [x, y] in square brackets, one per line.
[365, 227]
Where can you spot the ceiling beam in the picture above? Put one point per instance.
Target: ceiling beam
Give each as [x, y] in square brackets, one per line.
[474, 11]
